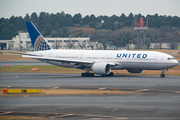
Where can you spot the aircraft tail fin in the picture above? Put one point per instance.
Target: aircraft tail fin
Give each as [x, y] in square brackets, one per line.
[38, 41]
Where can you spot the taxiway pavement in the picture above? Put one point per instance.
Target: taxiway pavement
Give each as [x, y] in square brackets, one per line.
[129, 107]
[159, 98]
[62, 80]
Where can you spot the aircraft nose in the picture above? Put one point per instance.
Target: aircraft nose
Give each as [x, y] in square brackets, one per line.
[177, 62]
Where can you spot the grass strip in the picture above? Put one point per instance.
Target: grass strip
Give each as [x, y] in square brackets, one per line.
[82, 92]
[41, 69]
[56, 69]
[5, 117]
[70, 92]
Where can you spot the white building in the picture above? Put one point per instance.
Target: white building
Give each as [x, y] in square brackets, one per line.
[23, 42]
[6, 44]
[157, 46]
[132, 46]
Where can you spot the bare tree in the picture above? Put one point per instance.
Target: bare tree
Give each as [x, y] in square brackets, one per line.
[104, 43]
[82, 44]
[91, 44]
[162, 34]
[70, 44]
[172, 38]
[97, 47]
[56, 44]
[172, 41]
[148, 42]
[101, 37]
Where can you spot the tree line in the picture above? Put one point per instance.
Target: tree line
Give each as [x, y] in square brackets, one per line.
[109, 30]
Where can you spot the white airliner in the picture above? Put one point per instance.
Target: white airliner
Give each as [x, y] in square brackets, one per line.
[98, 61]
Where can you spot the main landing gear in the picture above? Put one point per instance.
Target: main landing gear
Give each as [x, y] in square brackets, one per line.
[162, 74]
[87, 74]
[92, 74]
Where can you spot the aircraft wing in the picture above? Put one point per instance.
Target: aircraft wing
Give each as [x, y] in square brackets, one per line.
[64, 60]
[23, 53]
[39, 57]
[58, 59]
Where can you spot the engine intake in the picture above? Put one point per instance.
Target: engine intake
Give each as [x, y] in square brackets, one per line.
[101, 68]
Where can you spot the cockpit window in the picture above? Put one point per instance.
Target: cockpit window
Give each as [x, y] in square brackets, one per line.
[170, 59]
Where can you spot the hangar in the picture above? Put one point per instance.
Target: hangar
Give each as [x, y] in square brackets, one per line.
[6, 44]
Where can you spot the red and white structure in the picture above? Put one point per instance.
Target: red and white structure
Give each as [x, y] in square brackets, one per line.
[140, 28]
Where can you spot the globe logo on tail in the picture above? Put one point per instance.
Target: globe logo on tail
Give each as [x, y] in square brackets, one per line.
[40, 44]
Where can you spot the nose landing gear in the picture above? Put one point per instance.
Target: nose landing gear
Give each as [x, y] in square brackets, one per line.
[162, 74]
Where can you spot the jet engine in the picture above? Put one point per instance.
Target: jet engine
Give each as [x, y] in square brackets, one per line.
[135, 71]
[101, 68]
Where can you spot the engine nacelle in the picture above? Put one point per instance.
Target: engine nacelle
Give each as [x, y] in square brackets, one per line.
[135, 71]
[101, 68]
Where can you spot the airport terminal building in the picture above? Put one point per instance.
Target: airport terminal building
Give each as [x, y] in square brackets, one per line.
[23, 42]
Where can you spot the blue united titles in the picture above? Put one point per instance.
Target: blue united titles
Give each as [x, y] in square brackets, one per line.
[134, 55]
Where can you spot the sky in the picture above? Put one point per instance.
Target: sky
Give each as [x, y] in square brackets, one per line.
[9, 8]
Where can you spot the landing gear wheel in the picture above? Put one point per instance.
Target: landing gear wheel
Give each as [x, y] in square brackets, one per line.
[92, 74]
[111, 74]
[162, 75]
[82, 74]
[87, 74]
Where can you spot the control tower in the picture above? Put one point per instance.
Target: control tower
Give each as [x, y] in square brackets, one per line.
[141, 29]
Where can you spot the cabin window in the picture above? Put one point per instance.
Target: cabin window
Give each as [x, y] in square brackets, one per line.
[106, 58]
[170, 59]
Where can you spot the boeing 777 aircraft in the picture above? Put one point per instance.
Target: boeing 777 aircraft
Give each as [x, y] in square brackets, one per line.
[98, 61]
